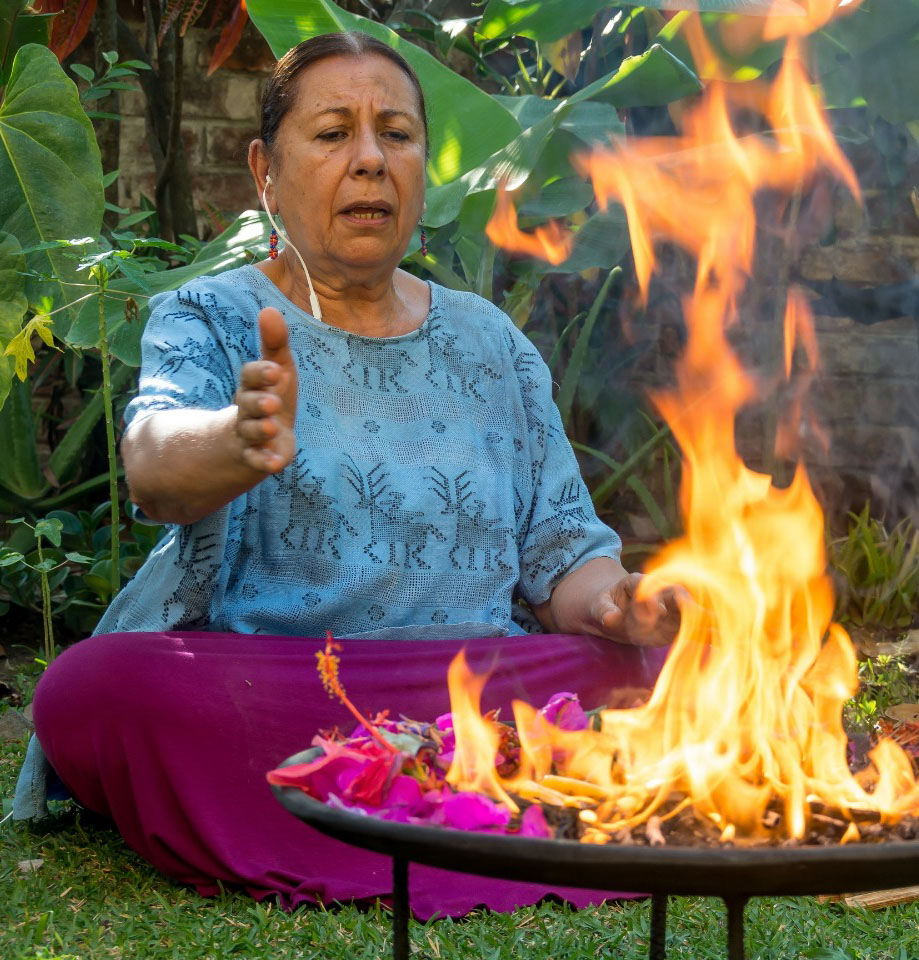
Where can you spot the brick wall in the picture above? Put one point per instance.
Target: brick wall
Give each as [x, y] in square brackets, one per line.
[220, 117]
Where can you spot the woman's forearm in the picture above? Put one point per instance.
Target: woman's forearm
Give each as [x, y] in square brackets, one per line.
[182, 465]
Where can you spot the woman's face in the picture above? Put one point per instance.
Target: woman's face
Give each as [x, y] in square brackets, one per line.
[348, 165]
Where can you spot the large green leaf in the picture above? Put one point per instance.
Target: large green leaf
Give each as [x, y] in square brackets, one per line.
[245, 238]
[13, 304]
[467, 125]
[19, 26]
[550, 20]
[872, 57]
[542, 20]
[69, 451]
[653, 77]
[20, 469]
[50, 168]
[601, 242]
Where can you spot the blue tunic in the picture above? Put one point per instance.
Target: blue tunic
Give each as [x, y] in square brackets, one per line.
[432, 484]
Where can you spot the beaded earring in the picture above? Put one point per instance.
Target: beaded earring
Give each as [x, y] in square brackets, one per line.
[424, 241]
[273, 244]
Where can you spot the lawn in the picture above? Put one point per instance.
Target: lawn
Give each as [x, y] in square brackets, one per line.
[93, 898]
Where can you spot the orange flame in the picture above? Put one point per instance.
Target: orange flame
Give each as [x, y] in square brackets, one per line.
[746, 716]
[549, 243]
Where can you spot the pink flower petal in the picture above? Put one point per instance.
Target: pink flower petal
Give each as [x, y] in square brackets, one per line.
[565, 711]
[533, 823]
[472, 811]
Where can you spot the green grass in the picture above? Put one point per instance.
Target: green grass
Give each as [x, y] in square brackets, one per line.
[93, 898]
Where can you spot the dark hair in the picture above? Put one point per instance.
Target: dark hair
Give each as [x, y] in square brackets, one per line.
[280, 90]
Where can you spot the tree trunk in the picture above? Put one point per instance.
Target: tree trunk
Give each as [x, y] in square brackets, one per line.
[108, 132]
[162, 87]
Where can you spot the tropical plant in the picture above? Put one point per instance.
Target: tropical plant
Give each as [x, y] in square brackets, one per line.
[877, 572]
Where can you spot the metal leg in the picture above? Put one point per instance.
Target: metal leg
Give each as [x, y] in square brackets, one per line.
[658, 947]
[400, 909]
[735, 907]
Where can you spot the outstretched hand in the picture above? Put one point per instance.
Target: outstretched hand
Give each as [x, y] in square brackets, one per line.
[267, 399]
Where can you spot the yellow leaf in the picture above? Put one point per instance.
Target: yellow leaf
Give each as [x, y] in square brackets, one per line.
[20, 347]
[565, 55]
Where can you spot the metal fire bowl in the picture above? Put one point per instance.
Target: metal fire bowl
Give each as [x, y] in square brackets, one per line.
[686, 871]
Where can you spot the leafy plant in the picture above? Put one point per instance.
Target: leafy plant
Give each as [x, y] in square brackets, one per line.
[883, 682]
[877, 572]
[48, 529]
[78, 594]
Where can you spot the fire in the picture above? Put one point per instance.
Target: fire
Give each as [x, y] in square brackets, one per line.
[745, 723]
[549, 243]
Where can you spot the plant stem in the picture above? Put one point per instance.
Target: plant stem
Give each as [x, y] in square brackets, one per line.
[47, 628]
[110, 438]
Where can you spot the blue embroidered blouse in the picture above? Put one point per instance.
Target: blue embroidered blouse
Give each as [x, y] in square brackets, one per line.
[432, 484]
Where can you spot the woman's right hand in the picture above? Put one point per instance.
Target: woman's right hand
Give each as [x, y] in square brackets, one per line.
[267, 399]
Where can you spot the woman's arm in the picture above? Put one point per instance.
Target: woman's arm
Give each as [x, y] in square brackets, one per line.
[183, 464]
[600, 598]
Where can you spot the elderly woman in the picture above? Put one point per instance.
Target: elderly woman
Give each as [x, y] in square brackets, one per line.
[336, 445]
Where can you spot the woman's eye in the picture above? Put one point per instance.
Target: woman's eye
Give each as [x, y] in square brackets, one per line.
[332, 135]
[397, 135]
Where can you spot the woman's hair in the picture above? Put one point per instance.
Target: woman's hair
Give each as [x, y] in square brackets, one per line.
[280, 90]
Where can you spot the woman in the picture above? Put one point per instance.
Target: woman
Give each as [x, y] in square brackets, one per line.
[339, 446]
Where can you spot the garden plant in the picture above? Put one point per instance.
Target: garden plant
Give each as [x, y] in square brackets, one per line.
[515, 91]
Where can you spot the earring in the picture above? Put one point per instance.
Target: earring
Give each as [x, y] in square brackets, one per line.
[424, 241]
[273, 244]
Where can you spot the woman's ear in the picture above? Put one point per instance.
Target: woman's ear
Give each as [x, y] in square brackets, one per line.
[259, 164]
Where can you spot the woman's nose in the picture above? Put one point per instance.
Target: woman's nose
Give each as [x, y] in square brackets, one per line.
[369, 159]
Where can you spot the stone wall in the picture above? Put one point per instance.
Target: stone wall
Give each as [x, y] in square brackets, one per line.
[867, 310]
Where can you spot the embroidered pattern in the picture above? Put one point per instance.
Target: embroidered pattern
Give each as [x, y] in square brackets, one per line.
[388, 362]
[390, 525]
[477, 536]
[310, 510]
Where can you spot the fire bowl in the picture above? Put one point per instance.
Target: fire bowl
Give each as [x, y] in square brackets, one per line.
[733, 873]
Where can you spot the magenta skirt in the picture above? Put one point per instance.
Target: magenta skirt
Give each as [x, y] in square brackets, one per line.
[171, 734]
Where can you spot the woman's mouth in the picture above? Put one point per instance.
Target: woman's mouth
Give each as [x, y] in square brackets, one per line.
[367, 214]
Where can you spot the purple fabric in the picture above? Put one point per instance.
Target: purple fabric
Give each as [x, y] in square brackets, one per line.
[171, 734]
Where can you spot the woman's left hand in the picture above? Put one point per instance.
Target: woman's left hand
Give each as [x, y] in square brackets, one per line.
[601, 598]
[620, 614]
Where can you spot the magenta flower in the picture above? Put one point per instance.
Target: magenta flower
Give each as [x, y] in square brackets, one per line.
[472, 811]
[332, 773]
[565, 711]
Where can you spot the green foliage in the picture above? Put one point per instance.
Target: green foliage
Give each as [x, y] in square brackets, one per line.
[50, 169]
[19, 25]
[878, 572]
[871, 58]
[80, 558]
[243, 241]
[883, 682]
[43, 566]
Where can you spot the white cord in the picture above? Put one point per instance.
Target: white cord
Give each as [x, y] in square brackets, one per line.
[314, 300]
